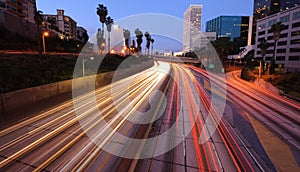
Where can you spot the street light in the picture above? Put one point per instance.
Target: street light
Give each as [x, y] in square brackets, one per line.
[102, 47]
[83, 64]
[45, 34]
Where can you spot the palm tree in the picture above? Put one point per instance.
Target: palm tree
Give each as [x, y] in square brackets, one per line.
[276, 29]
[109, 22]
[126, 35]
[38, 18]
[263, 45]
[139, 40]
[152, 41]
[102, 13]
[148, 39]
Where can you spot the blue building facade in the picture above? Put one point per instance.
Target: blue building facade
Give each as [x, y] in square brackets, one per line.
[234, 27]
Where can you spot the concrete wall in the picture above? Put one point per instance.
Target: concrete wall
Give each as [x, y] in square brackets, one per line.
[19, 104]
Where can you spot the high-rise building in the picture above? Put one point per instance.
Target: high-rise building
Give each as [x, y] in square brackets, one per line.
[192, 27]
[20, 8]
[264, 8]
[234, 27]
[288, 46]
[62, 23]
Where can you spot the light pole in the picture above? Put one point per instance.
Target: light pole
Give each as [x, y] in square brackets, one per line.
[83, 64]
[45, 34]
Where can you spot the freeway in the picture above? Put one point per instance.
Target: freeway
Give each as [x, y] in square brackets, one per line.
[171, 117]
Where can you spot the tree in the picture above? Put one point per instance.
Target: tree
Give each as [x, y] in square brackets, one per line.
[102, 13]
[263, 45]
[38, 18]
[148, 39]
[152, 41]
[109, 22]
[139, 40]
[276, 29]
[126, 35]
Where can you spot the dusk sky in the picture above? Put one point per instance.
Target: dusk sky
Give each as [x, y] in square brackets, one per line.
[84, 12]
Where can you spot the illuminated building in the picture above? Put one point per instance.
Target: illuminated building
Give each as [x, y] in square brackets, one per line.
[288, 46]
[192, 27]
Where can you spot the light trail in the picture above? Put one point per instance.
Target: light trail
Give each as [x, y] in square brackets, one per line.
[68, 139]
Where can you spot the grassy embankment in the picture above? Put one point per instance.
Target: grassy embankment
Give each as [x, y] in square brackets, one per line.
[289, 83]
[18, 71]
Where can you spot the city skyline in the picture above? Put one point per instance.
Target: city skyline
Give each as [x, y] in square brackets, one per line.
[173, 85]
[120, 10]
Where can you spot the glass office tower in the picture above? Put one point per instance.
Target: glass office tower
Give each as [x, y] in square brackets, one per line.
[234, 27]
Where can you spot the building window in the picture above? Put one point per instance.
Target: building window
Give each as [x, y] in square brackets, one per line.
[296, 41]
[294, 50]
[281, 51]
[284, 35]
[262, 26]
[269, 58]
[272, 22]
[280, 58]
[282, 43]
[270, 38]
[270, 51]
[296, 25]
[262, 33]
[258, 52]
[260, 39]
[284, 18]
[294, 58]
[2, 4]
[296, 15]
[296, 33]
[270, 31]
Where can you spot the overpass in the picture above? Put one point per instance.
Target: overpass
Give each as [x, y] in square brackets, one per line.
[174, 59]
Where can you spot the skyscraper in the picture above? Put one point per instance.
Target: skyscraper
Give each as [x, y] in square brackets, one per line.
[264, 8]
[234, 27]
[192, 27]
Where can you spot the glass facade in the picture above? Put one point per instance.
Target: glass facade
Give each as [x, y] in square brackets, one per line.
[229, 26]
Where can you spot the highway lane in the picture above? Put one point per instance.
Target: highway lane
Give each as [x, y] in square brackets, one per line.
[165, 120]
[31, 142]
[273, 119]
[203, 148]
